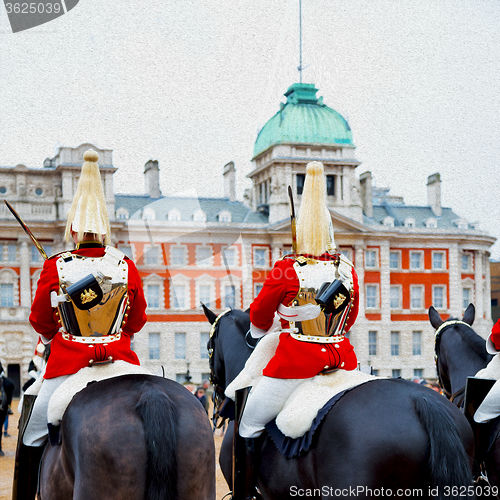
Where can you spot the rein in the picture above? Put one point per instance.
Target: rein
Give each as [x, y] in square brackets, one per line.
[219, 395]
[437, 338]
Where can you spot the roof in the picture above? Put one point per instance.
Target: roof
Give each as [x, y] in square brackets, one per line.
[303, 119]
[212, 207]
[420, 214]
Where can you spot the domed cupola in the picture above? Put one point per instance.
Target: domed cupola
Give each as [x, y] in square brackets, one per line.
[303, 119]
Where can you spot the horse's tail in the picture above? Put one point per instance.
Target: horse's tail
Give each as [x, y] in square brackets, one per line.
[449, 464]
[157, 412]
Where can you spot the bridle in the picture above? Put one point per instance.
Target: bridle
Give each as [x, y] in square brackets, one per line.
[437, 339]
[216, 382]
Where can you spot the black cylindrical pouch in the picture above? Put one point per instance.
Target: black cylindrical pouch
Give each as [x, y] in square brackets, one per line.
[333, 297]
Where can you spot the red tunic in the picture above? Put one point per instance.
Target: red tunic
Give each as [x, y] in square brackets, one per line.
[67, 357]
[495, 335]
[294, 358]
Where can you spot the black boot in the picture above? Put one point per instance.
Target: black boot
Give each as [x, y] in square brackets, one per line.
[26, 472]
[245, 469]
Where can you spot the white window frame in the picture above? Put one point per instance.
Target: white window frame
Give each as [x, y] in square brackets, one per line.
[377, 296]
[174, 215]
[443, 261]
[199, 216]
[421, 288]
[469, 261]
[179, 335]
[372, 344]
[468, 285]
[409, 222]
[154, 279]
[154, 335]
[398, 344]
[373, 253]
[184, 255]
[398, 289]
[122, 214]
[434, 288]
[10, 277]
[235, 258]
[398, 253]
[205, 280]
[421, 253]
[157, 249]
[266, 257]
[417, 344]
[148, 214]
[206, 262]
[234, 281]
[225, 216]
[431, 223]
[178, 281]
[388, 221]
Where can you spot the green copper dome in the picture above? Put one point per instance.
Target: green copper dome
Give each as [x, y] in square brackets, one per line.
[303, 119]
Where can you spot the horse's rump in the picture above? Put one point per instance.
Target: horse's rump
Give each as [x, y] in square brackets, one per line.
[124, 438]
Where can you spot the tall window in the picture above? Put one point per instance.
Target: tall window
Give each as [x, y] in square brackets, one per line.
[417, 343]
[370, 258]
[35, 254]
[416, 293]
[230, 296]
[300, 183]
[465, 262]
[394, 343]
[466, 297]
[204, 337]
[203, 256]
[180, 345]
[438, 260]
[11, 252]
[396, 373]
[151, 257]
[418, 372]
[371, 297]
[178, 256]
[154, 346]
[372, 343]
[153, 296]
[330, 185]
[415, 260]
[257, 288]
[229, 257]
[205, 294]
[6, 295]
[395, 295]
[438, 297]
[394, 260]
[259, 257]
[179, 296]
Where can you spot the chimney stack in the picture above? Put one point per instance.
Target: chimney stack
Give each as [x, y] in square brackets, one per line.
[230, 181]
[365, 180]
[434, 193]
[152, 179]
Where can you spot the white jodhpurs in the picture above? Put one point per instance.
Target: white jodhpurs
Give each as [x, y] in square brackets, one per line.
[36, 431]
[264, 403]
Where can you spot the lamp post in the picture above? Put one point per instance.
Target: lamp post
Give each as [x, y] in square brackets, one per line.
[187, 376]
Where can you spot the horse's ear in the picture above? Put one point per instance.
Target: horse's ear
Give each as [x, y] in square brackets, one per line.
[211, 316]
[469, 315]
[434, 318]
[247, 311]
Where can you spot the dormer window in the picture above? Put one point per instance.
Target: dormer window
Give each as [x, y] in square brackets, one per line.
[122, 213]
[174, 215]
[388, 221]
[409, 222]
[431, 223]
[149, 214]
[225, 216]
[200, 216]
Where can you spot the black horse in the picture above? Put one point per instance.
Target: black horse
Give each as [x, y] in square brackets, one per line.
[134, 437]
[383, 435]
[461, 353]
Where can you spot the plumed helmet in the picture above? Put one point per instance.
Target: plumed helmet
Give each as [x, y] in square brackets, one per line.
[314, 225]
[88, 213]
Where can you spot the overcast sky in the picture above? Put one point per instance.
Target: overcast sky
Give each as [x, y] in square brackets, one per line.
[190, 83]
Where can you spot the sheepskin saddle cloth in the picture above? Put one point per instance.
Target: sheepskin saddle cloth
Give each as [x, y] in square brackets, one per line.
[63, 395]
[303, 405]
[490, 407]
